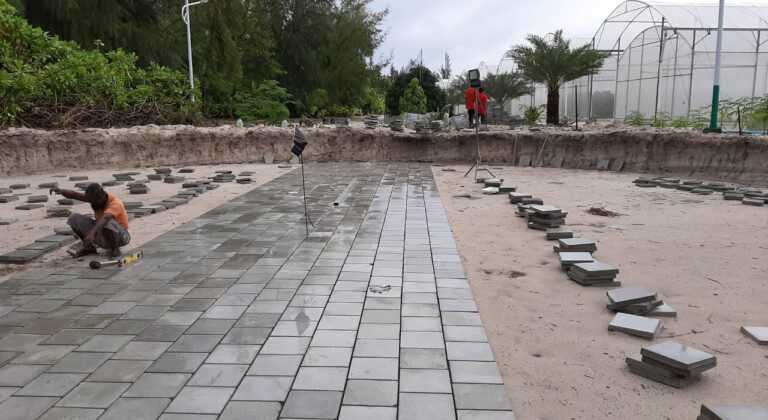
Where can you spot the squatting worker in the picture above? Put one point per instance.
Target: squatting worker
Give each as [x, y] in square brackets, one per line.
[482, 102]
[469, 101]
[109, 229]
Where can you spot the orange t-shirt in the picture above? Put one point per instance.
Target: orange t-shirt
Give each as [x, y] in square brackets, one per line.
[483, 99]
[469, 98]
[116, 208]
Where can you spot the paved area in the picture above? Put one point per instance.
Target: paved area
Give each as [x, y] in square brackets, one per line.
[241, 314]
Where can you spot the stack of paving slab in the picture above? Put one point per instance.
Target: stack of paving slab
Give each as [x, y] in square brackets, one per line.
[575, 245]
[594, 273]
[732, 412]
[545, 217]
[568, 259]
[635, 300]
[137, 188]
[223, 176]
[371, 121]
[558, 233]
[671, 363]
[397, 125]
[171, 179]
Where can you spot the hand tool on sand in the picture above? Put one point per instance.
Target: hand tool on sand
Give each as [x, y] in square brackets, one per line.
[129, 259]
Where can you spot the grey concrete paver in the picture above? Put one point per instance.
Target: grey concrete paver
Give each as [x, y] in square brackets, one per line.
[239, 313]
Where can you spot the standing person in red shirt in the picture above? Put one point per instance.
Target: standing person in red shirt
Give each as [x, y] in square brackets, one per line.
[482, 104]
[469, 101]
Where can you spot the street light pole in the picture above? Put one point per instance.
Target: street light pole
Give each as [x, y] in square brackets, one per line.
[718, 63]
[185, 17]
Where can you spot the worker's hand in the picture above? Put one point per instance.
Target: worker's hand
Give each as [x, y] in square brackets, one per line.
[54, 190]
[88, 241]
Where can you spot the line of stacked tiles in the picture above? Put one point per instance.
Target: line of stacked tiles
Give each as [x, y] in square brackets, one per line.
[239, 314]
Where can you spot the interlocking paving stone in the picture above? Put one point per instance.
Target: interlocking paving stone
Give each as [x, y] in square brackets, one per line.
[157, 385]
[136, 408]
[93, 395]
[240, 313]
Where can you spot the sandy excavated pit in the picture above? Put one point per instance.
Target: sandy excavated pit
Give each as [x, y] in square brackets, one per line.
[34, 224]
[705, 257]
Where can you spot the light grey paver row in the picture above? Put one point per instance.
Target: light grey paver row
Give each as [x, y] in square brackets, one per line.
[240, 314]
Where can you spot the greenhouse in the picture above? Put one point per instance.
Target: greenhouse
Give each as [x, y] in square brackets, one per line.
[662, 61]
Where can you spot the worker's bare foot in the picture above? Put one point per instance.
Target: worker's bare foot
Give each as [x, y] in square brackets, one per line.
[82, 252]
[114, 253]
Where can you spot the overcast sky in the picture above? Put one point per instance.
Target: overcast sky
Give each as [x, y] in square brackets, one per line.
[481, 31]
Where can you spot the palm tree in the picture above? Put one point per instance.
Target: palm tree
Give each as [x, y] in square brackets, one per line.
[503, 87]
[553, 63]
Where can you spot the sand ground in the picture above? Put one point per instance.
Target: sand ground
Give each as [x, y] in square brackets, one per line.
[704, 256]
[34, 224]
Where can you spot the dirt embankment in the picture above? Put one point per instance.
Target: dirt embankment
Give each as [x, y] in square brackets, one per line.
[731, 157]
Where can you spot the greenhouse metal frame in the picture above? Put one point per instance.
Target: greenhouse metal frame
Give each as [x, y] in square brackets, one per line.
[662, 61]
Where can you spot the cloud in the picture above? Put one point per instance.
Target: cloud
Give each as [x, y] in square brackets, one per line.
[481, 31]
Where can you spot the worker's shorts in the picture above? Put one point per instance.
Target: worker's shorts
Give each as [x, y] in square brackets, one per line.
[82, 225]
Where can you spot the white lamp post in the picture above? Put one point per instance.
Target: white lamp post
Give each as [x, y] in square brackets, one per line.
[185, 17]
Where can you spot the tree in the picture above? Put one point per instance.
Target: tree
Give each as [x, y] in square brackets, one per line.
[413, 101]
[128, 24]
[553, 62]
[325, 44]
[503, 87]
[436, 98]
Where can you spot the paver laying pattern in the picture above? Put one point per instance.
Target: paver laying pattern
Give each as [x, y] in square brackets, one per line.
[240, 314]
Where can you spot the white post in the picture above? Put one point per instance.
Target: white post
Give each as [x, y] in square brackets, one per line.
[185, 16]
[718, 63]
[187, 20]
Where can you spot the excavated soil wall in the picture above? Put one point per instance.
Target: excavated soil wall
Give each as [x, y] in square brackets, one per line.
[733, 158]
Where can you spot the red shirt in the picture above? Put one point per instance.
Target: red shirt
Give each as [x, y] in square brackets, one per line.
[483, 103]
[469, 99]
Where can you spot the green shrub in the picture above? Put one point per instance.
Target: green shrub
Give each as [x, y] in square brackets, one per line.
[635, 118]
[413, 101]
[266, 103]
[531, 114]
[46, 82]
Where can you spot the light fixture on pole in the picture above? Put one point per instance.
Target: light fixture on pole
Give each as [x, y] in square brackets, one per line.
[713, 127]
[185, 17]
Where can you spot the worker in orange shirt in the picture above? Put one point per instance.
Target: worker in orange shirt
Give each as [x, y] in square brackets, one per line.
[482, 105]
[469, 101]
[109, 228]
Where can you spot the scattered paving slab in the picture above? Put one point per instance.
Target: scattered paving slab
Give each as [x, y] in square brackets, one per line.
[6, 222]
[733, 412]
[28, 207]
[759, 334]
[4, 191]
[617, 165]
[663, 310]
[635, 325]
[37, 199]
[8, 198]
[65, 201]
[186, 170]
[78, 178]
[19, 186]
